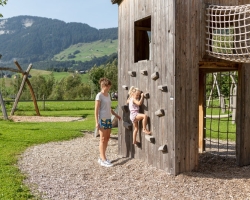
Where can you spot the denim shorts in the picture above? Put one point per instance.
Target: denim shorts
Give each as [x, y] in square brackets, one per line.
[105, 123]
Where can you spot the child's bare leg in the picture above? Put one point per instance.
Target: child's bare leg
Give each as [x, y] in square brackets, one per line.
[144, 124]
[144, 118]
[135, 124]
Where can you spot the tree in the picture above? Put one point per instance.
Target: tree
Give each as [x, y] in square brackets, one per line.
[2, 3]
[109, 71]
[95, 74]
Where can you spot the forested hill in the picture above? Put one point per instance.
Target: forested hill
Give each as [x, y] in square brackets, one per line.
[31, 39]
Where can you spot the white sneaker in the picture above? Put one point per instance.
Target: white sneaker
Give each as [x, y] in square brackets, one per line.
[100, 160]
[106, 164]
[108, 161]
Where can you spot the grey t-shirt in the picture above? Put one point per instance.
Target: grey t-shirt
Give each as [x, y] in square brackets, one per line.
[105, 106]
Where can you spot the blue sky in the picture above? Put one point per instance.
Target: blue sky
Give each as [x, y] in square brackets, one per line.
[96, 13]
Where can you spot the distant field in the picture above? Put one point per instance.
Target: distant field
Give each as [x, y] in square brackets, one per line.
[36, 72]
[88, 51]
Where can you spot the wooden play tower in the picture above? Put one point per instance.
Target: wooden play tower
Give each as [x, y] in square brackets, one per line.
[166, 47]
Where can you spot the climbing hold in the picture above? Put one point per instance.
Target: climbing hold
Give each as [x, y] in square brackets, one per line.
[160, 113]
[146, 95]
[132, 73]
[155, 76]
[144, 72]
[163, 88]
[125, 87]
[125, 108]
[150, 138]
[163, 148]
[127, 125]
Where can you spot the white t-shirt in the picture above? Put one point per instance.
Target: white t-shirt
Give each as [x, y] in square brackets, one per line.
[105, 106]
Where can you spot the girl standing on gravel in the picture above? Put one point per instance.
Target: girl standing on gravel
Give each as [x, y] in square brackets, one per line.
[135, 100]
[103, 122]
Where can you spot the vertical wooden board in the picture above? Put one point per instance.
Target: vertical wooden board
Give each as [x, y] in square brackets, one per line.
[152, 159]
[158, 68]
[166, 74]
[181, 65]
[201, 111]
[181, 71]
[126, 137]
[181, 59]
[187, 37]
[132, 32]
[177, 90]
[136, 6]
[194, 90]
[244, 136]
[120, 81]
[202, 27]
[240, 120]
[125, 67]
[162, 95]
[147, 108]
[170, 163]
[142, 84]
[148, 7]
[138, 85]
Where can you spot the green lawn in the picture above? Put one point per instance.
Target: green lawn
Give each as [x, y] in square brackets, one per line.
[223, 128]
[15, 138]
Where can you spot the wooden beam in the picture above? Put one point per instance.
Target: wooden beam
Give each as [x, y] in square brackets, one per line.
[21, 89]
[5, 116]
[10, 69]
[30, 88]
[140, 28]
[201, 112]
[218, 65]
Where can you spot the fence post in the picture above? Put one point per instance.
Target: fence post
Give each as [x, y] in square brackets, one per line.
[44, 102]
[5, 116]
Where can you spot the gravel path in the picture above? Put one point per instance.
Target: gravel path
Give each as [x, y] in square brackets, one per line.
[69, 170]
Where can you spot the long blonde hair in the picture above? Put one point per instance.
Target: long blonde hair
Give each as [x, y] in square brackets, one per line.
[132, 90]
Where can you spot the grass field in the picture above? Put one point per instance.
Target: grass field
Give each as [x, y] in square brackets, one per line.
[36, 72]
[15, 138]
[222, 128]
[88, 50]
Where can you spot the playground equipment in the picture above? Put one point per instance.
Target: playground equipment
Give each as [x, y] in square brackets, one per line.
[232, 99]
[25, 79]
[188, 39]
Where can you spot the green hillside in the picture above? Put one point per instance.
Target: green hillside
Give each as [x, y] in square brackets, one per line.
[87, 51]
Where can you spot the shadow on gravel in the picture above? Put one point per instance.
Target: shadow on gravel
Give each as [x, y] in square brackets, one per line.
[219, 167]
[125, 160]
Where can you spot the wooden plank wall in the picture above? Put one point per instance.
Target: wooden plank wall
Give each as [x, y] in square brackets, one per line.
[162, 29]
[243, 96]
[178, 45]
[190, 49]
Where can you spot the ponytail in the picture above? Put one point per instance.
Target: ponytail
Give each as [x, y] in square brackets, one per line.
[131, 90]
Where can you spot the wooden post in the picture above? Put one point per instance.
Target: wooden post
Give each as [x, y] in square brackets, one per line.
[31, 89]
[222, 104]
[25, 76]
[201, 112]
[5, 116]
[44, 102]
[234, 105]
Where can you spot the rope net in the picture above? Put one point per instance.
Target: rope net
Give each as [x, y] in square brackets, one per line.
[220, 109]
[228, 32]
